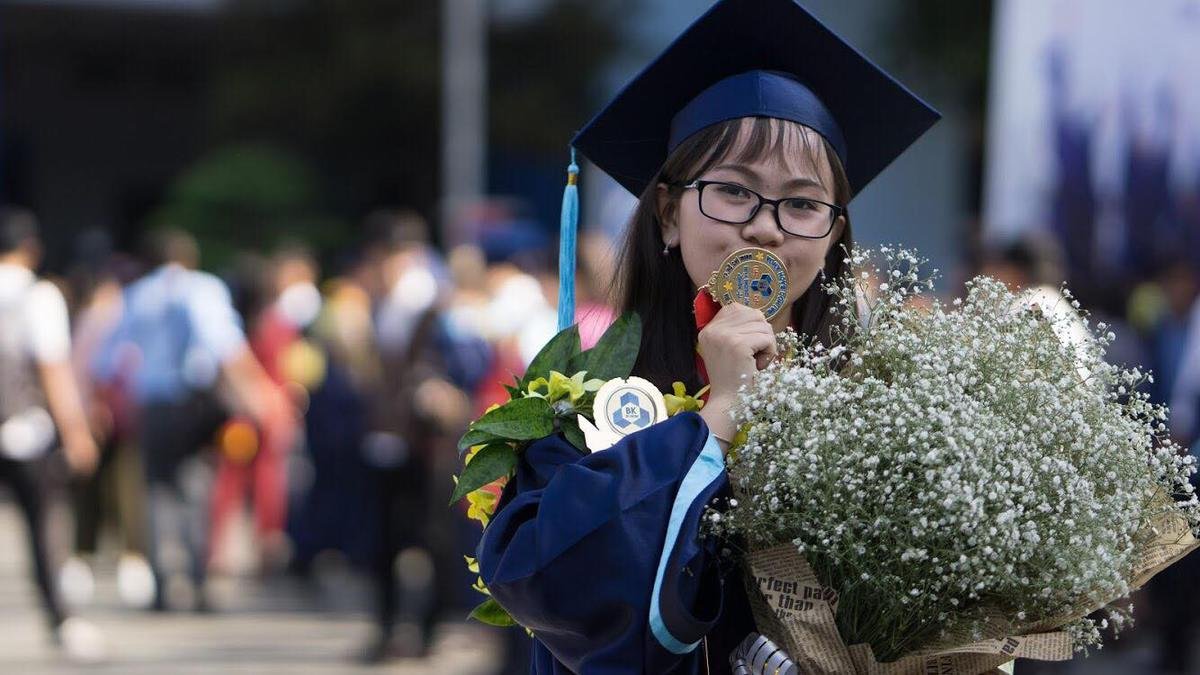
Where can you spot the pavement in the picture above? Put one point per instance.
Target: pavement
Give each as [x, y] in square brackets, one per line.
[283, 626]
[259, 626]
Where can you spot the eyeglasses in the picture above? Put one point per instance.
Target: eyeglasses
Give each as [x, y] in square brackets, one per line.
[737, 204]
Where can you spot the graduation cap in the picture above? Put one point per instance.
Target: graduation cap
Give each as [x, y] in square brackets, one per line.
[756, 58]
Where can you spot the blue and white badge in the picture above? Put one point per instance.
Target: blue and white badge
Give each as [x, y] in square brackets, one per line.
[622, 407]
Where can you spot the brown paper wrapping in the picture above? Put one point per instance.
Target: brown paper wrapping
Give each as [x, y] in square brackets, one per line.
[796, 612]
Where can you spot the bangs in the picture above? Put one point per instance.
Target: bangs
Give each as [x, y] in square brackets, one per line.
[746, 140]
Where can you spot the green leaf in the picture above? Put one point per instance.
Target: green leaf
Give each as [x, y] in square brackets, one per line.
[556, 355]
[522, 419]
[476, 437]
[572, 432]
[490, 612]
[494, 461]
[513, 391]
[615, 352]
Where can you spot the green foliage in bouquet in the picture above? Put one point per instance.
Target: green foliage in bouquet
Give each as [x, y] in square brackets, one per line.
[544, 401]
[955, 472]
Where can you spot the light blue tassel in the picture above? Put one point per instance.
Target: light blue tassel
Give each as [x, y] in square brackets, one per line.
[568, 226]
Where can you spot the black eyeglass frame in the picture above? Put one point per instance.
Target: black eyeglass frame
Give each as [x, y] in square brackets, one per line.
[699, 186]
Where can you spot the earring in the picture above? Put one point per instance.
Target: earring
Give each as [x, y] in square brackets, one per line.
[666, 250]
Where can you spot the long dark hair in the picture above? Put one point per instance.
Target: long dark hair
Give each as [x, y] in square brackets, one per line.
[658, 287]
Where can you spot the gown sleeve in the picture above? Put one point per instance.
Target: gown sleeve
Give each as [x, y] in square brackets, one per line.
[600, 555]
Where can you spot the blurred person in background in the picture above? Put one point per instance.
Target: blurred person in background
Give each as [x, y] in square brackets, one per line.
[1185, 393]
[468, 298]
[420, 408]
[178, 338]
[1175, 591]
[333, 511]
[1032, 266]
[518, 315]
[254, 462]
[40, 407]
[593, 284]
[112, 497]
[1160, 309]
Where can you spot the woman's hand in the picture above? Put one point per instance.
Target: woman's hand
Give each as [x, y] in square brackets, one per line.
[735, 345]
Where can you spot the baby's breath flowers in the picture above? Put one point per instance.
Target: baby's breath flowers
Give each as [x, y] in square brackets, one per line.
[946, 469]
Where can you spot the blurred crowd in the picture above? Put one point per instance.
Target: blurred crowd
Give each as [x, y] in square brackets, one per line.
[321, 401]
[325, 403]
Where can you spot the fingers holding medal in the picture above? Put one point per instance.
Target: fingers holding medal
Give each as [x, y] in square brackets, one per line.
[751, 285]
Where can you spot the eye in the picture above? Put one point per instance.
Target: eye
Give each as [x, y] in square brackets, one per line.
[731, 191]
[801, 205]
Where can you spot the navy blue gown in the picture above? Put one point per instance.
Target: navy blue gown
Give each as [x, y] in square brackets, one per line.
[601, 556]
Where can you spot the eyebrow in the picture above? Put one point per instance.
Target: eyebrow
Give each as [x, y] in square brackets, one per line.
[749, 173]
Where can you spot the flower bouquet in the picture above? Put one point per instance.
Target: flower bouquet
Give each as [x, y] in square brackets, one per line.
[946, 488]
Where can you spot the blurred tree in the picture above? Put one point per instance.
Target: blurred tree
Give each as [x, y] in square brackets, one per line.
[947, 37]
[248, 197]
[541, 73]
[354, 85]
[950, 41]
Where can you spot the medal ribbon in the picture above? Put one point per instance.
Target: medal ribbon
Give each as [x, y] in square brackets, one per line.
[705, 308]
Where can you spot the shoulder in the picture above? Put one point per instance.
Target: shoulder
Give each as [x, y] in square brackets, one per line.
[205, 284]
[49, 331]
[206, 295]
[45, 301]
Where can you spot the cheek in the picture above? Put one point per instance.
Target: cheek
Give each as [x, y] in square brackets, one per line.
[703, 243]
[804, 259]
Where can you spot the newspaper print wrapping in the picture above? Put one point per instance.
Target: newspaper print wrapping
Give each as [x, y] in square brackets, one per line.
[794, 610]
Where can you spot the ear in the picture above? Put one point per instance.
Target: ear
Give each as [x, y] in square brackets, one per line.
[835, 235]
[839, 227]
[668, 214]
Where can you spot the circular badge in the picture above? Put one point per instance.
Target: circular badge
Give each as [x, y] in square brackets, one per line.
[625, 406]
[754, 277]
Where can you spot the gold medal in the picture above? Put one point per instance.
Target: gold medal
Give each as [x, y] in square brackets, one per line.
[754, 277]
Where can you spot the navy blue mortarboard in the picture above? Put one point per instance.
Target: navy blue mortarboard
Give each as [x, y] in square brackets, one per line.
[756, 58]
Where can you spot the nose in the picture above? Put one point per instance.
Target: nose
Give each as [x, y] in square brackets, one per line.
[762, 230]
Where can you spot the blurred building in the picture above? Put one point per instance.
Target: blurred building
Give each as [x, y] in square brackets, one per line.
[101, 107]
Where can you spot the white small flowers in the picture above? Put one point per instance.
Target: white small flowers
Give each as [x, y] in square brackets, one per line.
[934, 457]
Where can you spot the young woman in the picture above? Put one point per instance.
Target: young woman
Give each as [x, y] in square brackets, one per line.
[755, 128]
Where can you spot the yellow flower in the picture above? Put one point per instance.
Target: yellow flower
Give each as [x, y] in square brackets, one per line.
[681, 402]
[481, 505]
[560, 386]
[535, 386]
[571, 387]
[479, 586]
[739, 439]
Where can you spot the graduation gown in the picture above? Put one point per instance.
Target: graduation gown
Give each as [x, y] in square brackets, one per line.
[601, 557]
